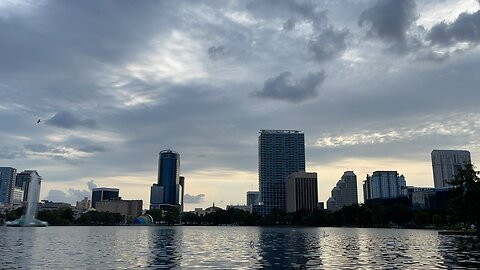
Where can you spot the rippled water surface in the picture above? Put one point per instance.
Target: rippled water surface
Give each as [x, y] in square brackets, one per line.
[233, 248]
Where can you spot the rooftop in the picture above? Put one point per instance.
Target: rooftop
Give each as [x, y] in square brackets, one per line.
[450, 151]
[279, 131]
[105, 189]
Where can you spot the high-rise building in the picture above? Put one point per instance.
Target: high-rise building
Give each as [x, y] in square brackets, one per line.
[181, 193]
[169, 189]
[446, 164]
[384, 185]
[301, 191]
[23, 180]
[280, 153]
[7, 183]
[253, 198]
[344, 193]
[103, 194]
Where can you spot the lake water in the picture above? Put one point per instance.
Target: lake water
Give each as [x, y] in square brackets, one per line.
[233, 248]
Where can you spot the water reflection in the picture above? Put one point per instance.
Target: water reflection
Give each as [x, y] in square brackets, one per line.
[346, 248]
[220, 247]
[460, 251]
[288, 248]
[25, 241]
[229, 248]
[165, 243]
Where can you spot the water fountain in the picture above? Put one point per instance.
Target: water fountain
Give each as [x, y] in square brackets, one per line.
[29, 220]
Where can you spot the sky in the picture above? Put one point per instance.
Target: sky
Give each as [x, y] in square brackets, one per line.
[374, 85]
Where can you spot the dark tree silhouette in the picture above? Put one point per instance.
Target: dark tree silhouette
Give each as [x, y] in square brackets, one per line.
[465, 191]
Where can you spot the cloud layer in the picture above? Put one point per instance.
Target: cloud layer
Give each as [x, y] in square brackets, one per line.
[466, 28]
[71, 195]
[389, 19]
[282, 87]
[69, 120]
[194, 199]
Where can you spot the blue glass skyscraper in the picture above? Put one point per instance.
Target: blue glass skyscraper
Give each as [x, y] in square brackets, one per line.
[280, 153]
[168, 191]
[168, 175]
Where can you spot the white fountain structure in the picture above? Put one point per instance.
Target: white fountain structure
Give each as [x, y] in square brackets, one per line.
[29, 220]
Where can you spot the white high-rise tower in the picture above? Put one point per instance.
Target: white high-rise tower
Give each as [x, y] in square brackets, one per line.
[446, 164]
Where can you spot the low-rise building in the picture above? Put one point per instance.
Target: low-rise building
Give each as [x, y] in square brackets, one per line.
[427, 197]
[321, 206]
[84, 204]
[253, 197]
[246, 208]
[130, 209]
[301, 191]
[104, 194]
[201, 212]
[48, 205]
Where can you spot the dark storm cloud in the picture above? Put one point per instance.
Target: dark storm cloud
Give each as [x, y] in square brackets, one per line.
[466, 28]
[325, 43]
[69, 120]
[216, 52]
[289, 25]
[389, 20]
[282, 87]
[194, 198]
[328, 44]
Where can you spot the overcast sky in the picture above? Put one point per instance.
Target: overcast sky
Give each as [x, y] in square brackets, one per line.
[374, 85]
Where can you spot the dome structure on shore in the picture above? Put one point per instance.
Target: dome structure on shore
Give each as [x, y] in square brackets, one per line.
[144, 220]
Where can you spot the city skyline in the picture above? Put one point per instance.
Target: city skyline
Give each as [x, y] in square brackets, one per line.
[115, 83]
[360, 192]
